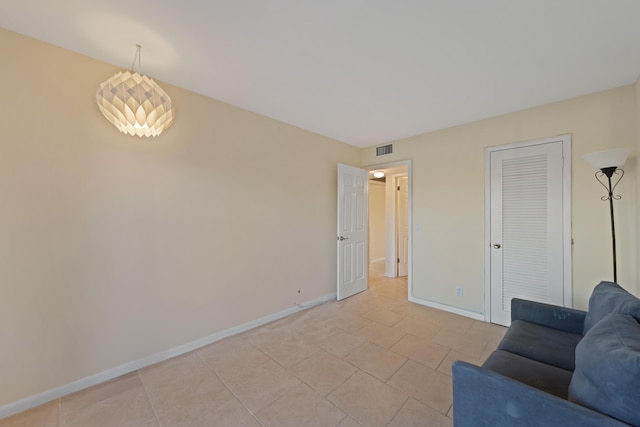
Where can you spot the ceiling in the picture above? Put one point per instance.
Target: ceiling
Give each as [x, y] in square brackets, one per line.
[364, 72]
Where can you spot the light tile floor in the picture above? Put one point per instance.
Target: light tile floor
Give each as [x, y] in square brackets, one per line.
[374, 359]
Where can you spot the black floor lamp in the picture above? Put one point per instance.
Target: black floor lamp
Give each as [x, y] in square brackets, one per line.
[608, 164]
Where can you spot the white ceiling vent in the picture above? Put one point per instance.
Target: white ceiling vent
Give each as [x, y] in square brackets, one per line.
[384, 149]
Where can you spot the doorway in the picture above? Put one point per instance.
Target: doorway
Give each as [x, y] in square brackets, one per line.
[353, 226]
[389, 220]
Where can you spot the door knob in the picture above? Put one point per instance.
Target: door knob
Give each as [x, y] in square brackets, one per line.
[343, 238]
[497, 245]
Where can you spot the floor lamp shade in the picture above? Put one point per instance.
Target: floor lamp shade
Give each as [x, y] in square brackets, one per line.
[608, 158]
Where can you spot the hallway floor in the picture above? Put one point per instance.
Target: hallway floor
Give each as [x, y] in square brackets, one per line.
[374, 359]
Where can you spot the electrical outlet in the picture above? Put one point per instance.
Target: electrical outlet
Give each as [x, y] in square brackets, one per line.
[459, 292]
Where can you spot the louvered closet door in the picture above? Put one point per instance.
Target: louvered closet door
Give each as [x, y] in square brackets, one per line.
[526, 227]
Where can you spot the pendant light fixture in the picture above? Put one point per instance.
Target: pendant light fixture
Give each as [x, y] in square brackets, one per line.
[134, 103]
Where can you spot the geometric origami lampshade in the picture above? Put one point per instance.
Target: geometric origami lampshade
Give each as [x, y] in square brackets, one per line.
[134, 103]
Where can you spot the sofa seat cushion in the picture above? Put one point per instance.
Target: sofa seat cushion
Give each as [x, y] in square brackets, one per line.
[546, 345]
[608, 369]
[606, 298]
[536, 374]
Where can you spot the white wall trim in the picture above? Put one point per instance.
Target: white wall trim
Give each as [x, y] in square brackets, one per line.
[391, 205]
[567, 223]
[448, 308]
[377, 260]
[58, 392]
[391, 268]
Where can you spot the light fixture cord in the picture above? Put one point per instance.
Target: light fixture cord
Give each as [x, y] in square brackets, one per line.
[136, 57]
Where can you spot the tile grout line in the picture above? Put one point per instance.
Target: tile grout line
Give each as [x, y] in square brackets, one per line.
[396, 371]
[302, 381]
[146, 393]
[409, 396]
[400, 408]
[443, 359]
[227, 387]
[350, 415]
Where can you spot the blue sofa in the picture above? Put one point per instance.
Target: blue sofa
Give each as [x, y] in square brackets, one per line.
[557, 366]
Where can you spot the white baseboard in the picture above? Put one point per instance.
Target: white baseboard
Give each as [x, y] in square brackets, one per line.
[316, 301]
[58, 392]
[448, 308]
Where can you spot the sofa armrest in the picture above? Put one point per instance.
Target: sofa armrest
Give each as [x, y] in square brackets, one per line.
[551, 316]
[485, 398]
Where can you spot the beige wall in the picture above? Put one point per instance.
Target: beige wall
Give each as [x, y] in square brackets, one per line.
[115, 248]
[448, 195]
[377, 224]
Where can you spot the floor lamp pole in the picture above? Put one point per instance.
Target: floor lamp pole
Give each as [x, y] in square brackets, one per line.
[609, 172]
[607, 163]
[613, 232]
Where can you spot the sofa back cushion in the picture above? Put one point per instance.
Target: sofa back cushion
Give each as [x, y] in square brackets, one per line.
[606, 298]
[608, 368]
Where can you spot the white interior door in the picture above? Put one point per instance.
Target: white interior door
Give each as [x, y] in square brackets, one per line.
[353, 233]
[403, 225]
[527, 238]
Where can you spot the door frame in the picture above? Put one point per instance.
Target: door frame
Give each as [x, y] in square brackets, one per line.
[567, 240]
[391, 224]
[407, 164]
[396, 228]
